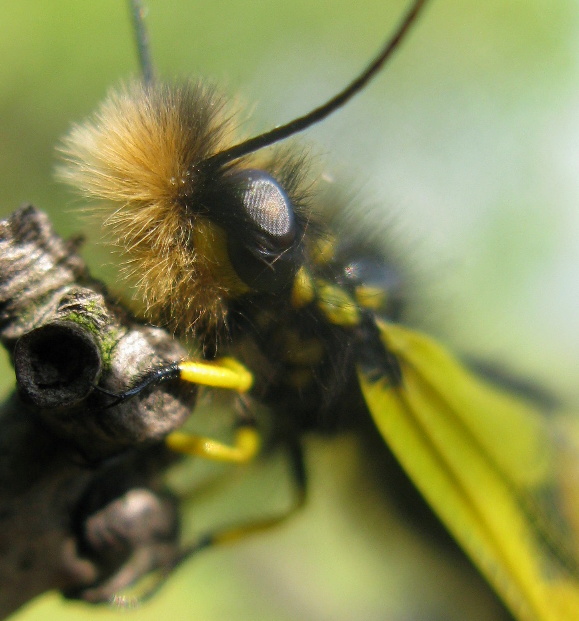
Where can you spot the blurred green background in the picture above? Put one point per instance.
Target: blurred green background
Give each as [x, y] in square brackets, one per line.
[468, 144]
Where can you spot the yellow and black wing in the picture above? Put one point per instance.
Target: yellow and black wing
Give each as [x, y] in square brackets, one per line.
[500, 474]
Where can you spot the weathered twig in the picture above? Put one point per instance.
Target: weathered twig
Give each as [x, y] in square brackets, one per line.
[82, 503]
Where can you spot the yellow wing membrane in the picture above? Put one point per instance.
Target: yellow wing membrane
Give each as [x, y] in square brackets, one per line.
[501, 474]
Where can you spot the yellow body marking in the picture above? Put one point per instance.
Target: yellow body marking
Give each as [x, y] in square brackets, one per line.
[337, 305]
[303, 291]
[373, 298]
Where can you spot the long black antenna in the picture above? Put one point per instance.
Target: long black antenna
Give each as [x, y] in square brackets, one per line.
[316, 115]
[142, 39]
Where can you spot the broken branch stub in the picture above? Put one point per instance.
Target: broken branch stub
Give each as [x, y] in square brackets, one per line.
[72, 468]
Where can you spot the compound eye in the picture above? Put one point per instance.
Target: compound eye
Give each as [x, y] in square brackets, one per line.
[267, 206]
[262, 236]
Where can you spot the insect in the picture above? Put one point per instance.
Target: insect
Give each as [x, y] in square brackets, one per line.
[431, 357]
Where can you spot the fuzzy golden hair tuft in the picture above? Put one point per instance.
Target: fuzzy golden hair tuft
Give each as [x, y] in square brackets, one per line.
[140, 155]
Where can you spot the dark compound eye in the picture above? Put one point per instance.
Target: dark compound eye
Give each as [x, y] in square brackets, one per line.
[262, 244]
[267, 206]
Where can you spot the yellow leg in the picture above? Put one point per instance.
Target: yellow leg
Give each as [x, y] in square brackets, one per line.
[247, 442]
[225, 373]
[246, 447]
[241, 531]
[231, 534]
